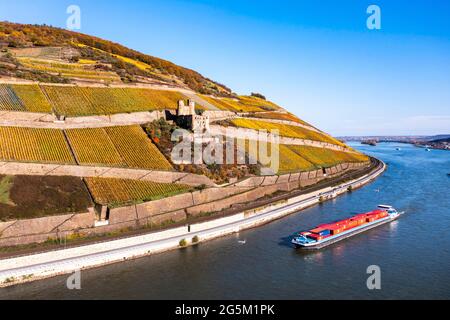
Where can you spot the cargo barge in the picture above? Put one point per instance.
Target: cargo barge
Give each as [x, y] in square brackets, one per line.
[330, 233]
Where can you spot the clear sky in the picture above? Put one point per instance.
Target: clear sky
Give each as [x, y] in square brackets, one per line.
[315, 58]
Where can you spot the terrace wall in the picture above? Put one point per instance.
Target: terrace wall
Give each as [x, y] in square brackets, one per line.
[164, 211]
[19, 232]
[43, 120]
[20, 116]
[219, 115]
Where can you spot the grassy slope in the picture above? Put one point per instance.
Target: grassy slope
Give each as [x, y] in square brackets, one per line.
[26, 197]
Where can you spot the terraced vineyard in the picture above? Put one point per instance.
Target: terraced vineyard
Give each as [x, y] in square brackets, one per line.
[280, 116]
[93, 146]
[285, 130]
[324, 158]
[292, 162]
[84, 101]
[136, 149]
[116, 192]
[293, 158]
[70, 70]
[32, 98]
[288, 160]
[9, 101]
[243, 104]
[34, 145]
[126, 146]
[258, 102]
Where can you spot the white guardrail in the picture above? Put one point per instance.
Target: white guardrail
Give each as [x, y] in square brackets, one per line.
[28, 268]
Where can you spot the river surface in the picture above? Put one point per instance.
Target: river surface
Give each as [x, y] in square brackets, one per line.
[413, 253]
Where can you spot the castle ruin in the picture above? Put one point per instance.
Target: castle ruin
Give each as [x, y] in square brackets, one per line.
[187, 118]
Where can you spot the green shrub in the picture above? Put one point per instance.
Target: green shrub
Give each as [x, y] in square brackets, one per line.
[195, 239]
[183, 243]
[9, 280]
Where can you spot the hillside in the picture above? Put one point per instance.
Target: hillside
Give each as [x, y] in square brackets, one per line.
[81, 110]
[95, 58]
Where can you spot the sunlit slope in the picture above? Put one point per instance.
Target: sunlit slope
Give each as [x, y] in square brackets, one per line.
[117, 62]
[74, 101]
[286, 130]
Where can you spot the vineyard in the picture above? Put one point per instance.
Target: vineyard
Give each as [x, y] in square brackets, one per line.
[71, 70]
[293, 158]
[74, 101]
[325, 157]
[117, 192]
[258, 102]
[292, 162]
[116, 146]
[285, 130]
[288, 160]
[279, 116]
[32, 98]
[84, 101]
[136, 149]
[93, 146]
[9, 101]
[34, 145]
[243, 104]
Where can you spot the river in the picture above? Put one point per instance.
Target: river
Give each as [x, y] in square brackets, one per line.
[413, 253]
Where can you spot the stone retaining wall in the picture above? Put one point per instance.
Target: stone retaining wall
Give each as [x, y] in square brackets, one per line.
[219, 115]
[119, 119]
[49, 121]
[164, 211]
[37, 230]
[37, 169]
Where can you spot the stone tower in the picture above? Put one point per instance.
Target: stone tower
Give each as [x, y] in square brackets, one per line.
[187, 118]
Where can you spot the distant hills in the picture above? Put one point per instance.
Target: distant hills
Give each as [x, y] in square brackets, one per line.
[441, 141]
[406, 139]
[440, 138]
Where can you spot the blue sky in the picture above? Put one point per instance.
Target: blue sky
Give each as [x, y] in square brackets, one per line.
[315, 58]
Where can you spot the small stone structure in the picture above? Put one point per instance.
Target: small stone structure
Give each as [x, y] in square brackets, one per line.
[184, 110]
[187, 118]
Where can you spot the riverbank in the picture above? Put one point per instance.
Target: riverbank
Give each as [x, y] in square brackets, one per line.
[33, 267]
